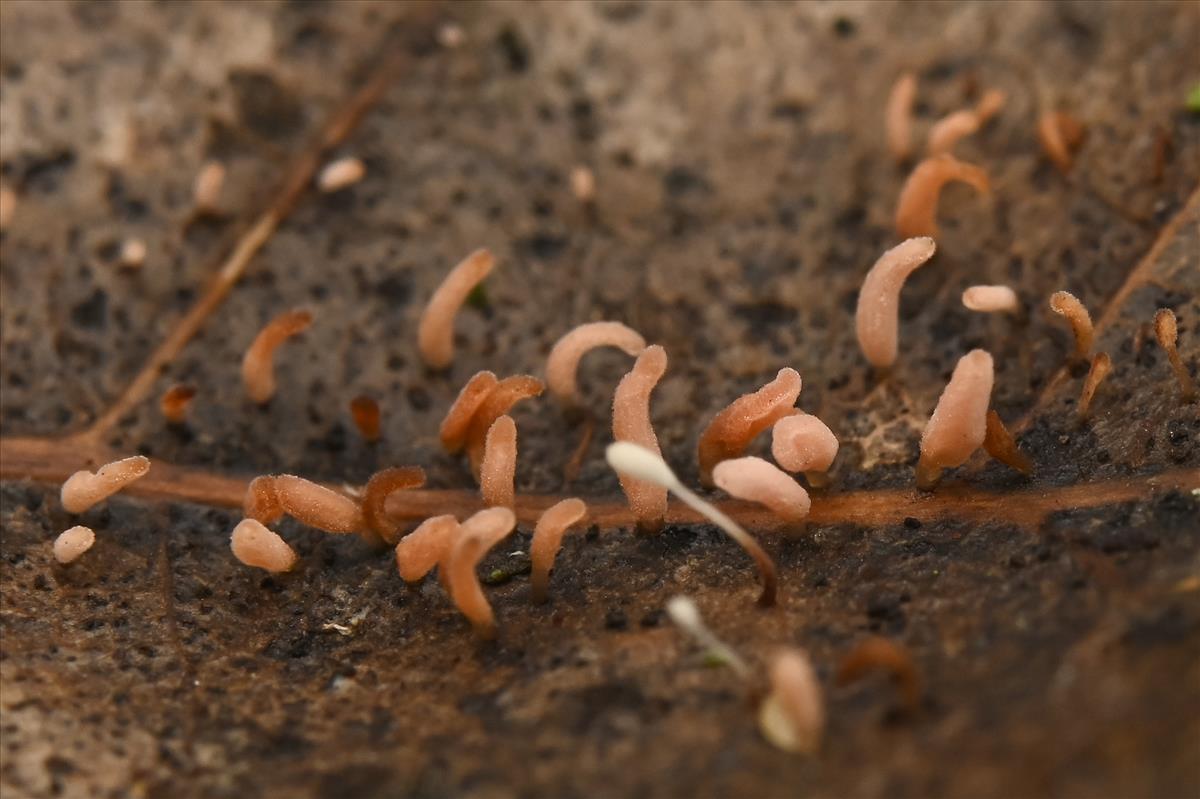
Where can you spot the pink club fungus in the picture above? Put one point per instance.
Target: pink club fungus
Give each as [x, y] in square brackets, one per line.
[1166, 330]
[435, 331]
[631, 422]
[758, 481]
[959, 422]
[479, 533]
[260, 547]
[641, 463]
[991, 299]
[261, 502]
[792, 717]
[457, 423]
[425, 547]
[72, 543]
[876, 653]
[132, 254]
[899, 114]
[583, 184]
[317, 506]
[258, 364]
[916, 210]
[83, 489]
[341, 174]
[803, 443]
[876, 319]
[947, 131]
[563, 362]
[1067, 305]
[499, 401]
[1060, 135]
[206, 191]
[498, 469]
[552, 525]
[732, 430]
[365, 413]
[1000, 444]
[175, 402]
[382, 485]
[1100, 369]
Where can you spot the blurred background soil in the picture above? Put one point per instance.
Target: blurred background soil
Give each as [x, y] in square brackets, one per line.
[742, 190]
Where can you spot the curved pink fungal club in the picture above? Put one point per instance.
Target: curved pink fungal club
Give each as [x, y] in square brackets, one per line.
[260, 547]
[435, 330]
[72, 543]
[732, 430]
[552, 525]
[792, 717]
[1166, 331]
[317, 506]
[383, 484]
[499, 467]
[631, 422]
[756, 480]
[947, 131]
[877, 318]
[425, 547]
[563, 363]
[959, 422]
[261, 502]
[455, 426]
[803, 443]
[1067, 305]
[916, 210]
[258, 364]
[1060, 135]
[499, 401]
[83, 489]
[479, 533]
[991, 299]
[898, 116]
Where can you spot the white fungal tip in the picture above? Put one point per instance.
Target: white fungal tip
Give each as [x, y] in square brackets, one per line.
[73, 543]
[341, 174]
[683, 612]
[259, 546]
[640, 463]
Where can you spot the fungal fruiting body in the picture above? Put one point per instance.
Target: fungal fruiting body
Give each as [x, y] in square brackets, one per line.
[365, 412]
[479, 533]
[1166, 330]
[563, 362]
[631, 422]
[552, 525]
[317, 506]
[382, 485]
[732, 430]
[991, 299]
[206, 192]
[83, 489]
[947, 131]
[262, 500]
[1100, 368]
[72, 543]
[422, 549]
[916, 210]
[133, 254]
[341, 174]
[959, 422]
[898, 116]
[1066, 304]
[876, 319]
[999, 443]
[643, 464]
[175, 402]
[435, 331]
[686, 615]
[455, 426]
[792, 717]
[1060, 135]
[758, 481]
[498, 469]
[260, 547]
[258, 364]
[499, 401]
[876, 653]
[803, 443]
[583, 184]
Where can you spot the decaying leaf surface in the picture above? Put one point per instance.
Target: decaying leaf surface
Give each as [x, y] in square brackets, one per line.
[744, 169]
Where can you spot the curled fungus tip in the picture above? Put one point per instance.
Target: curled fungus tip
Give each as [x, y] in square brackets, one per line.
[499, 401]
[563, 363]
[958, 425]
[877, 316]
[456, 425]
[425, 547]
[631, 423]
[991, 299]
[916, 210]
[479, 533]
[803, 443]
[258, 364]
[435, 330]
[1067, 305]
[382, 485]
[256, 545]
[552, 525]
[1166, 331]
[72, 543]
[732, 430]
[756, 480]
[84, 489]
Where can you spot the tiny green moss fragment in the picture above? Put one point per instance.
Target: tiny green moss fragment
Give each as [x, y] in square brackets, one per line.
[1193, 99]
